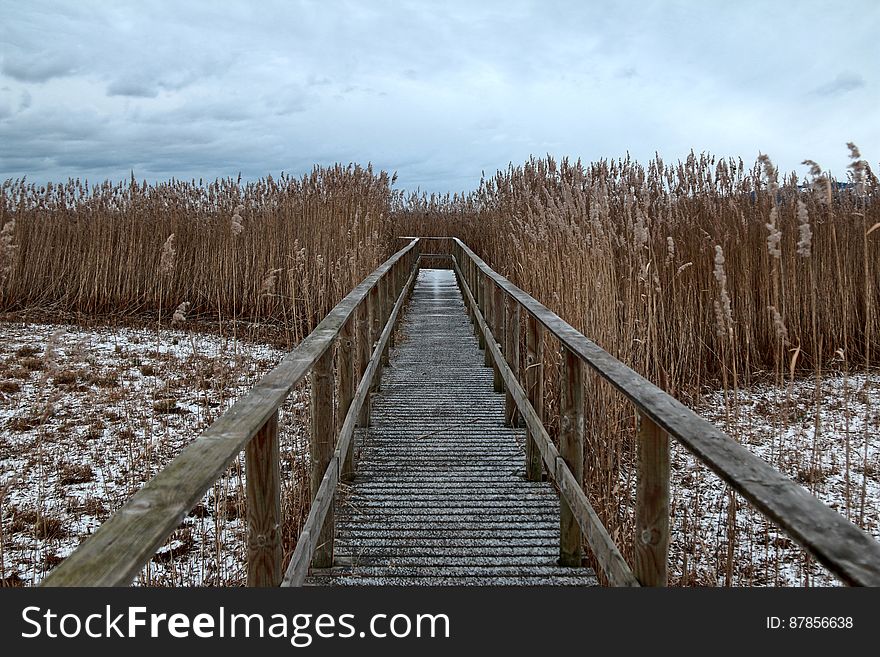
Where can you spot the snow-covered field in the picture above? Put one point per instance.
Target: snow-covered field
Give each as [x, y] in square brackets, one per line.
[89, 415]
[825, 436]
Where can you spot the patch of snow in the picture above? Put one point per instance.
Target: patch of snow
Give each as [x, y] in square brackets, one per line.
[87, 416]
[822, 434]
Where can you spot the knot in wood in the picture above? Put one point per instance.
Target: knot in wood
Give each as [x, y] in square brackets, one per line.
[650, 536]
[268, 539]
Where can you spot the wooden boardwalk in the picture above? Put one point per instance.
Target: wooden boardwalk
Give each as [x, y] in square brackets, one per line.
[440, 496]
[443, 492]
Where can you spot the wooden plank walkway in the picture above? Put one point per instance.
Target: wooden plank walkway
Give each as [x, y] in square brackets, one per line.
[439, 496]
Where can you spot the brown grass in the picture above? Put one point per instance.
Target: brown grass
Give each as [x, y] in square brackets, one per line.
[99, 249]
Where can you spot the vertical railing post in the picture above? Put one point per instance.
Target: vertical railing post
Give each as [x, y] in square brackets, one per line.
[387, 305]
[345, 367]
[488, 297]
[571, 450]
[264, 506]
[652, 504]
[498, 333]
[374, 301]
[511, 353]
[363, 355]
[479, 290]
[321, 445]
[535, 390]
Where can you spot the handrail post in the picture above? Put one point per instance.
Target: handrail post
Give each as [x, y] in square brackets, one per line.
[535, 389]
[511, 353]
[345, 367]
[374, 304]
[652, 504]
[479, 290]
[363, 355]
[387, 305]
[321, 446]
[571, 449]
[498, 334]
[264, 506]
[488, 297]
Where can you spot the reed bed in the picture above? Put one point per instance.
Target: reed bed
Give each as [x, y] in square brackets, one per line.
[284, 250]
[702, 275]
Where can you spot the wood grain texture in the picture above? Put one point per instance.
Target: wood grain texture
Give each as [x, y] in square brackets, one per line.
[488, 310]
[652, 505]
[322, 443]
[571, 448]
[847, 551]
[311, 541]
[498, 331]
[511, 355]
[262, 467]
[345, 374]
[534, 385]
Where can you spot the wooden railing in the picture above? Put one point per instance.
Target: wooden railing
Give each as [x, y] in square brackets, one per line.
[495, 305]
[122, 546]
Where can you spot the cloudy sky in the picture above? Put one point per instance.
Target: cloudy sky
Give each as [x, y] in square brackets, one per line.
[437, 91]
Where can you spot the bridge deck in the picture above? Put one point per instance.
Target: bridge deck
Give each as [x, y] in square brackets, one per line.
[439, 497]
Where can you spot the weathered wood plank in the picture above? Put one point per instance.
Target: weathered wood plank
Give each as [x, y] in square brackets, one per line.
[652, 505]
[571, 448]
[488, 308]
[387, 303]
[511, 354]
[604, 549]
[363, 353]
[534, 376]
[322, 442]
[264, 506]
[349, 424]
[345, 368]
[118, 550]
[839, 545]
[498, 331]
[310, 541]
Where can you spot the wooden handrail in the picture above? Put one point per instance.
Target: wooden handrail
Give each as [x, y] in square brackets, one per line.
[298, 568]
[843, 548]
[122, 545]
[612, 562]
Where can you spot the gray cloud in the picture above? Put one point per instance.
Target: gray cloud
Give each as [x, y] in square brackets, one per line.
[36, 67]
[843, 83]
[435, 91]
[133, 88]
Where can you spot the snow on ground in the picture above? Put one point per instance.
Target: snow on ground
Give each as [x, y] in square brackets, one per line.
[87, 416]
[825, 437]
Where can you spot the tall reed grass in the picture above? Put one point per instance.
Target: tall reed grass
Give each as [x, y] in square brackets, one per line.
[136, 248]
[702, 273]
